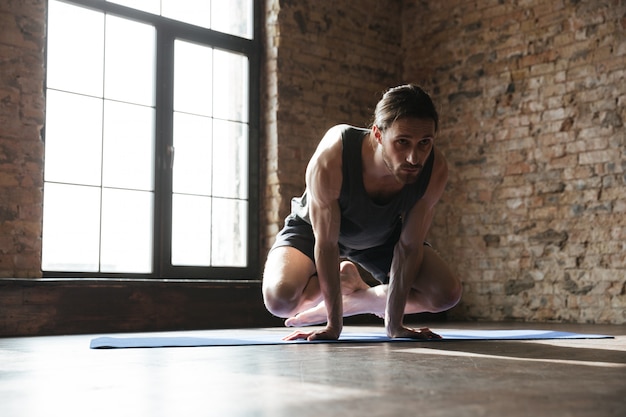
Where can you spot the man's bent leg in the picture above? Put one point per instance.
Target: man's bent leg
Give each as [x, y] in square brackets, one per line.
[290, 282]
[436, 288]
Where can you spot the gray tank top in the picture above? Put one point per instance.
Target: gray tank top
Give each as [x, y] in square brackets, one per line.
[364, 223]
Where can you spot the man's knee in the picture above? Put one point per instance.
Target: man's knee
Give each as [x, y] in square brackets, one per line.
[281, 299]
[448, 297]
[286, 276]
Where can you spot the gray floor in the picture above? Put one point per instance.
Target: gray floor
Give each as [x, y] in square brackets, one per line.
[61, 376]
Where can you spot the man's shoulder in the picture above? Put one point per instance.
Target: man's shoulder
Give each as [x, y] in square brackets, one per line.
[330, 150]
[438, 179]
[344, 129]
[335, 136]
[440, 166]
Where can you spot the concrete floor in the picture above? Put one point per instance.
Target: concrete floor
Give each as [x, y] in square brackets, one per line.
[61, 376]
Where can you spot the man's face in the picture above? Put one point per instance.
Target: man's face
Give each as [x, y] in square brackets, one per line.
[406, 145]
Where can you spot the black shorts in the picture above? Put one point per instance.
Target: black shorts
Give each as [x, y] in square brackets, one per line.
[377, 260]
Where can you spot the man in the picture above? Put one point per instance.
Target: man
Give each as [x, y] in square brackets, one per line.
[370, 197]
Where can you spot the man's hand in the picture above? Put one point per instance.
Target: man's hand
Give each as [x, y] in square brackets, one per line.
[423, 333]
[325, 334]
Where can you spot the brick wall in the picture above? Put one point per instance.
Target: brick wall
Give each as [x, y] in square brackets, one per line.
[21, 148]
[533, 102]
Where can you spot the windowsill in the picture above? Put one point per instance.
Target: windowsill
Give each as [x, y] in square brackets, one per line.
[54, 306]
[130, 280]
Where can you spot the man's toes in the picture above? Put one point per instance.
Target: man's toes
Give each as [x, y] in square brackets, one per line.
[315, 315]
[348, 268]
[292, 322]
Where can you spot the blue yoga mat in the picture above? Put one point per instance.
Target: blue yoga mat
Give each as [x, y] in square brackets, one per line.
[265, 337]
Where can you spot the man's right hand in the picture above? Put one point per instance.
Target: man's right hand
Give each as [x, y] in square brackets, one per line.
[325, 334]
[406, 332]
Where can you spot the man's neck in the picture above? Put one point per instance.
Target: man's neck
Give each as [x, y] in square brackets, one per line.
[380, 184]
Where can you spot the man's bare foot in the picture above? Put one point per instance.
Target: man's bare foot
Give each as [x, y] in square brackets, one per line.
[314, 311]
[314, 315]
[351, 280]
[363, 301]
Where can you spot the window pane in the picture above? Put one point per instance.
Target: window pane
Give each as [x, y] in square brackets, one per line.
[75, 49]
[195, 12]
[191, 230]
[129, 61]
[73, 151]
[71, 228]
[230, 159]
[128, 146]
[192, 78]
[126, 231]
[230, 231]
[192, 158]
[232, 16]
[150, 6]
[101, 119]
[230, 85]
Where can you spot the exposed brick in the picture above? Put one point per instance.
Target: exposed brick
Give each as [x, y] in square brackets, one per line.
[566, 64]
[21, 148]
[595, 157]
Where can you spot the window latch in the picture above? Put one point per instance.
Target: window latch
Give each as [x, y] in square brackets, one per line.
[170, 155]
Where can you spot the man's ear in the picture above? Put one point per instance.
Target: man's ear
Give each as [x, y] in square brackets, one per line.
[378, 134]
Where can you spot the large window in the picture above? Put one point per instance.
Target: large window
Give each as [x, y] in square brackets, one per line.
[151, 139]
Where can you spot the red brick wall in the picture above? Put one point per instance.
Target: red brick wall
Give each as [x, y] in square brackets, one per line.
[533, 103]
[21, 147]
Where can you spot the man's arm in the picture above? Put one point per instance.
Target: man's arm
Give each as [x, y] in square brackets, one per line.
[323, 181]
[409, 251]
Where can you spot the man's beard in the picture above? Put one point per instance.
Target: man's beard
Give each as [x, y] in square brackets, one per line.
[400, 173]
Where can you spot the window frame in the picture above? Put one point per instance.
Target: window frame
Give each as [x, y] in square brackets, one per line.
[167, 31]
